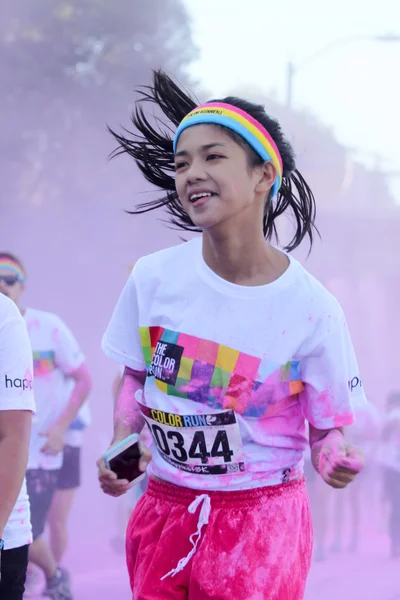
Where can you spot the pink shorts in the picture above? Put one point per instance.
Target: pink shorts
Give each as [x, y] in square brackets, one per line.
[247, 545]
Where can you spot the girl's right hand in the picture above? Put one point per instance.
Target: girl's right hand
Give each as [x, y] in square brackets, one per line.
[109, 482]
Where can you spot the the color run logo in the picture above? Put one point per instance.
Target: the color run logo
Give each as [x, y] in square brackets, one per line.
[166, 362]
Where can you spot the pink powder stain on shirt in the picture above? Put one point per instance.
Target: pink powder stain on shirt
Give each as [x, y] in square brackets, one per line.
[269, 392]
[26, 383]
[276, 410]
[284, 332]
[54, 334]
[326, 403]
[237, 404]
[28, 374]
[192, 386]
[343, 420]
[32, 324]
[22, 522]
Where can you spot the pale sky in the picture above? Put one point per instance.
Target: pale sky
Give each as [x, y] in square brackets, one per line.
[354, 88]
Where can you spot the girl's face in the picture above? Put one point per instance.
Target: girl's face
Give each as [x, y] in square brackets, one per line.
[214, 181]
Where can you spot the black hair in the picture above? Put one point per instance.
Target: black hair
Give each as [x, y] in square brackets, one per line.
[9, 256]
[152, 150]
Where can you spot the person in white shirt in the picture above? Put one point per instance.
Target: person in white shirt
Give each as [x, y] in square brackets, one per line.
[16, 409]
[229, 346]
[68, 482]
[62, 384]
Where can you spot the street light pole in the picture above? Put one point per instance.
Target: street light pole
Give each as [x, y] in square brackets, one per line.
[290, 73]
[292, 69]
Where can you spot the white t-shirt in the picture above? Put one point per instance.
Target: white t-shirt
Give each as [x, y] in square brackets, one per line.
[56, 354]
[232, 371]
[16, 393]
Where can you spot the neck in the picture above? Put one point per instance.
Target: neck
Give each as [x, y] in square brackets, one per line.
[243, 259]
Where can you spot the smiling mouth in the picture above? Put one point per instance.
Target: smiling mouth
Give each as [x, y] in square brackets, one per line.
[201, 196]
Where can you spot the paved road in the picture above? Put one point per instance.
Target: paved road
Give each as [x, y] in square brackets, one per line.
[369, 575]
[99, 573]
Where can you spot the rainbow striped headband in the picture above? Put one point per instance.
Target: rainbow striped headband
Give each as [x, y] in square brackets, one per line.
[219, 113]
[10, 265]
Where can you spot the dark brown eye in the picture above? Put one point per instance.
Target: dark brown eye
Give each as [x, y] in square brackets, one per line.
[214, 156]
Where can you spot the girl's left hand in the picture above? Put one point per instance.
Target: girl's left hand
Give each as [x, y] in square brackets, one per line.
[339, 463]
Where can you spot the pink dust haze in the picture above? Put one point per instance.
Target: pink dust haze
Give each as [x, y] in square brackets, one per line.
[63, 213]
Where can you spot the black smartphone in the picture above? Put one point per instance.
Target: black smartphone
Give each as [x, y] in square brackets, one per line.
[123, 458]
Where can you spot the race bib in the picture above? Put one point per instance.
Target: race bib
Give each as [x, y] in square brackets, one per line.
[201, 444]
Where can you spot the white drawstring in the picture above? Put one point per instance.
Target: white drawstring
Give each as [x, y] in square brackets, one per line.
[203, 520]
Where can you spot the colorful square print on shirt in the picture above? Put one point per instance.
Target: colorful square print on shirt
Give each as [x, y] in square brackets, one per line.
[43, 362]
[216, 375]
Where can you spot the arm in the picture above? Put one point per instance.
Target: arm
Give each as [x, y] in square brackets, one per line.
[82, 387]
[127, 420]
[15, 431]
[55, 435]
[328, 372]
[127, 416]
[16, 406]
[122, 343]
[338, 463]
[318, 437]
[115, 388]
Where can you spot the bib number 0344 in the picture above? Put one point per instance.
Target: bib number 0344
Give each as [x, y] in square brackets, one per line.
[173, 443]
[205, 444]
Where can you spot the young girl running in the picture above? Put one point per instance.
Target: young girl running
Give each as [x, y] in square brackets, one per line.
[229, 345]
